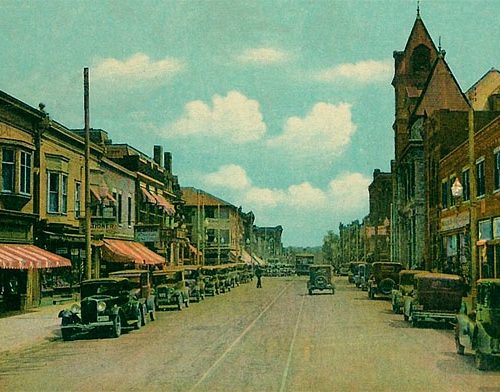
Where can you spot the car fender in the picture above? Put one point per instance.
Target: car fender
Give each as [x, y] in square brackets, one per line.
[482, 341]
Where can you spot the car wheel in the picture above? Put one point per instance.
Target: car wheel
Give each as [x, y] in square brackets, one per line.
[67, 334]
[117, 327]
[152, 313]
[482, 361]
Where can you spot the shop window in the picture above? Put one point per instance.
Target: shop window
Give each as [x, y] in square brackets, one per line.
[481, 184]
[8, 170]
[496, 228]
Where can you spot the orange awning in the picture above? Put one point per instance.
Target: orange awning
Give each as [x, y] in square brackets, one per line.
[102, 194]
[149, 197]
[165, 204]
[23, 256]
[119, 251]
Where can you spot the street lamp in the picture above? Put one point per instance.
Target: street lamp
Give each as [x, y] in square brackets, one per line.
[457, 190]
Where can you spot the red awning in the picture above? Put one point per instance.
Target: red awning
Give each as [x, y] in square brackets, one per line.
[165, 204]
[119, 251]
[23, 256]
[149, 197]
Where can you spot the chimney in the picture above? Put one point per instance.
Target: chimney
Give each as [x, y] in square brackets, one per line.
[376, 172]
[157, 155]
[168, 161]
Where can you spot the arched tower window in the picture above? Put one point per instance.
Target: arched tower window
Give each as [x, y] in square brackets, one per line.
[421, 59]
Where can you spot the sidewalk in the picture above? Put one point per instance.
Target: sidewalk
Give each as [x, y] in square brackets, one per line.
[31, 328]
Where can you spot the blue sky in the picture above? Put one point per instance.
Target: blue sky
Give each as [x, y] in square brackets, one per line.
[282, 107]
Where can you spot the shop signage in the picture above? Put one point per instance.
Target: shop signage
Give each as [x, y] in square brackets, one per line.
[455, 221]
[147, 236]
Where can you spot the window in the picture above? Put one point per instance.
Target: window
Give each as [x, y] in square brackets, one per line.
[497, 170]
[444, 194]
[57, 188]
[129, 211]
[115, 197]
[452, 198]
[25, 186]
[8, 170]
[480, 178]
[64, 194]
[78, 197]
[119, 208]
[420, 59]
[466, 184]
[485, 229]
[53, 187]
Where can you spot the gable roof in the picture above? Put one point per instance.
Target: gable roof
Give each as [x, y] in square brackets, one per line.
[486, 86]
[441, 91]
[194, 197]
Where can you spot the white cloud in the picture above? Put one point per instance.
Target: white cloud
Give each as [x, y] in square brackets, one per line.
[262, 56]
[263, 197]
[351, 189]
[368, 71]
[326, 129]
[228, 176]
[137, 68]
[234, 117]
[306, 196]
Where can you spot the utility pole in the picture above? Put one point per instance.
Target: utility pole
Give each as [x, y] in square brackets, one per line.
[88, 212]
[473, 193]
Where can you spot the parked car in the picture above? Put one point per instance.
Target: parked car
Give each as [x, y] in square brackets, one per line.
[478, 327]
[364, 276]
[320, 278]
[170, 288]
[211, 279]
[359, 274]
[106, 305]
[344, 270]
[383, 278]
[404, 290]
[437, 297]
[224, 278]
[142, 288]
[353, 270]
[195, 282]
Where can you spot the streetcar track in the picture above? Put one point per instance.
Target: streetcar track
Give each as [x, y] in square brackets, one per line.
[292, 344]
[238, 339]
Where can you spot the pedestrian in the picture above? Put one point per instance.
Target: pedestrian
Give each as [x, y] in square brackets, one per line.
[258, 274]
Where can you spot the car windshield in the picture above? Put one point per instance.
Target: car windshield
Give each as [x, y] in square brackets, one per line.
[100, 288]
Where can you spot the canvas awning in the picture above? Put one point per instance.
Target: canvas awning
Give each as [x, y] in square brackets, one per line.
[149, 197]
[120, 251]
[24, 256]
[102, 194]
[165, 204]
[245, 257]
[194, 250]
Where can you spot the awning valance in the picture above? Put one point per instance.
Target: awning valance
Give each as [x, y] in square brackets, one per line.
[120, 251]
[24, 256]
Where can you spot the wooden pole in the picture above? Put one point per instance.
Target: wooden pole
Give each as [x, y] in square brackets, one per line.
[473, 192]
[88, 212]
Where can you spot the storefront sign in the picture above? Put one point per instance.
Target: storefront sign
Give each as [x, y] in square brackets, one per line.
[147, 236]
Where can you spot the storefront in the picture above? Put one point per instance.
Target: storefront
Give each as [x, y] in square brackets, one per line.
[20, 274]
[489, 248]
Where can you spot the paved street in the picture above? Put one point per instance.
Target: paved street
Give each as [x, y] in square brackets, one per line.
[271, 339]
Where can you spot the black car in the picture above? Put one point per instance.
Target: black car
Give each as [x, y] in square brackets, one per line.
[320, 278]
[107, 305]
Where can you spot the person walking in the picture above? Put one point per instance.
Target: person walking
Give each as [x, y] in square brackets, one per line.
[258, 274]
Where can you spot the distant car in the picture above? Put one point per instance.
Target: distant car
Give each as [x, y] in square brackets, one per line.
[107, 305]
[195, 282]
[478, 328]
[437, 297]
[320, 278]
[404, 290]
[211, 279]
[170, 288]
[344, 270]
[353, 270]
[383, 278]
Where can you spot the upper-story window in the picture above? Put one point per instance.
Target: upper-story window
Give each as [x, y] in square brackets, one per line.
[57, 197]
[466, 184]
[8, 170]
[444, 194]
[421, 59]
[481, 181]
[78, 199]
[497, 169]
[452, 199]
[25, 185]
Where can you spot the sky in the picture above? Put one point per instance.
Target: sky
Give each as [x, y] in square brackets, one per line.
[284, 108]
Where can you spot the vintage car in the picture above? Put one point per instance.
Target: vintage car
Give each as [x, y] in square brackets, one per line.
[211, 279]
[344, 270]
[224, 278]
[170, 288]
[232, 275]
[364, 276]
[437, 297]
[107, 305]
[405, 289]
[195, 282]
[478, 328]
[320, 278]
[383, 278]
[353, 270]
[359, 277]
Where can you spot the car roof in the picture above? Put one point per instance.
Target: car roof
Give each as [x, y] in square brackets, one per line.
[411, 272]
[438, 275]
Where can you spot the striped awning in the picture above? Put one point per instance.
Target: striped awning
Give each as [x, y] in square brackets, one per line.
[24, 256]
[165, 204]
[148, 196]
[120, 251]
[245, 257]
[258, 261]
